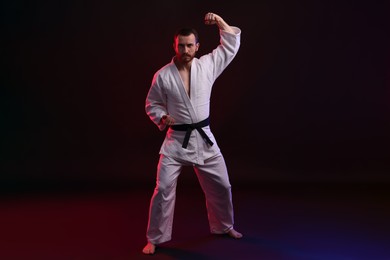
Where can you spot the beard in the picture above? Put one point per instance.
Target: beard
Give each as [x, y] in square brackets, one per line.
[186, 58]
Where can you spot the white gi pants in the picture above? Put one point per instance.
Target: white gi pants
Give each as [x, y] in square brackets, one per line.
[214, 180]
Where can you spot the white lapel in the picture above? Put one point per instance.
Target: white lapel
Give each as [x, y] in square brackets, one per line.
[183, 93]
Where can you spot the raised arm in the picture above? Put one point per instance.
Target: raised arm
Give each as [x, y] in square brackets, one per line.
[211, 18]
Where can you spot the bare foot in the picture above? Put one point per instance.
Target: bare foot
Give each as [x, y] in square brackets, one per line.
[149, 249]
[234, 234]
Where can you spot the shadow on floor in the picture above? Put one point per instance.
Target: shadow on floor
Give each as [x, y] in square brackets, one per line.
[279, 221]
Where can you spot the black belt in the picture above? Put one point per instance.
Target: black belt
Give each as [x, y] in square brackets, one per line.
[189, 127]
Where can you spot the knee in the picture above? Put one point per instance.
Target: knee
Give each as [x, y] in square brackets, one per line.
[228, 188]
[165, 190]
[226, 185]
[224, 189]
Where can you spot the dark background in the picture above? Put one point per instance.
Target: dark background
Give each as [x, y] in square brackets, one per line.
[306, 98]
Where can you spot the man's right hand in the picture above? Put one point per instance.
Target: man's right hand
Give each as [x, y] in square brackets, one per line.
[167, 120]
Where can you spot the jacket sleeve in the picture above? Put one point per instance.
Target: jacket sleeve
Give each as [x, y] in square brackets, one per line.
[156, 102]
[222, 56]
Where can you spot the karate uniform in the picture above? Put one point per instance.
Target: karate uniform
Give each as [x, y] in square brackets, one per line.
[167, 95]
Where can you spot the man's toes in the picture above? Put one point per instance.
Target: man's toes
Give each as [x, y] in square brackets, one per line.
[148, 250]
[235, 234]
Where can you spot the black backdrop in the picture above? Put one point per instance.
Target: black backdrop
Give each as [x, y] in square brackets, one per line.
[307, 97]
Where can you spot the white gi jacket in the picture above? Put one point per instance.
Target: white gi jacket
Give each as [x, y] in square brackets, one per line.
[167, 95]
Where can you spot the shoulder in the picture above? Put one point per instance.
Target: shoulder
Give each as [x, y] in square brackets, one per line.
[163, 74]
[163, 71]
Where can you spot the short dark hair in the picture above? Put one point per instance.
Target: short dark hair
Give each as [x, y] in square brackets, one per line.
[186, 32]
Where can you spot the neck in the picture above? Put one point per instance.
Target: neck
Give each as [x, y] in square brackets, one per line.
[182, 65]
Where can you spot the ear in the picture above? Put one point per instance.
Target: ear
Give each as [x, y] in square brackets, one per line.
[197, 46]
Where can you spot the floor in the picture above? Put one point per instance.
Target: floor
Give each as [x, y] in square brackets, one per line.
[280, 221]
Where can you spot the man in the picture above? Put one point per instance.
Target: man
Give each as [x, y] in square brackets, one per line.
[179, 99]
